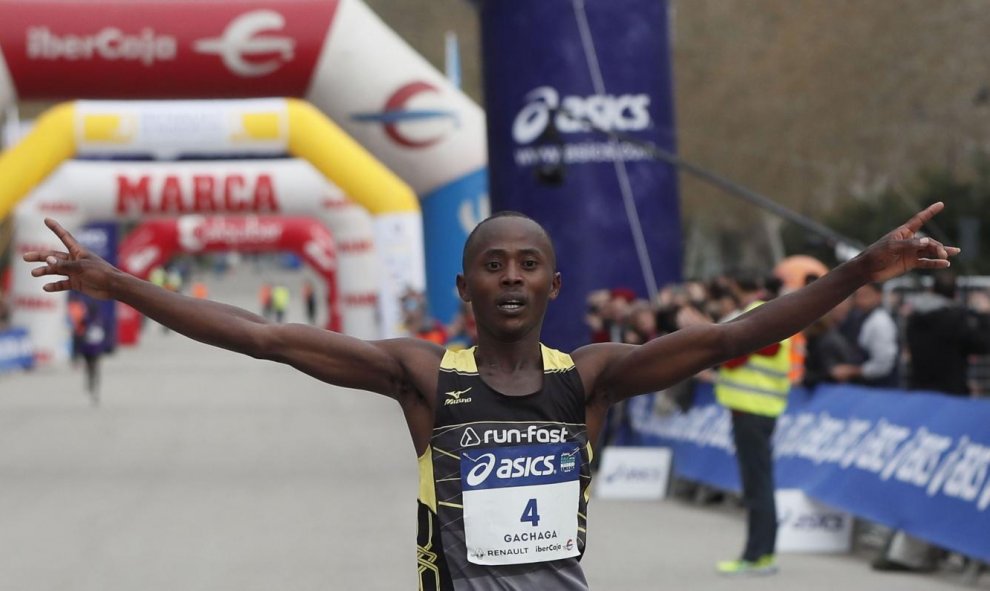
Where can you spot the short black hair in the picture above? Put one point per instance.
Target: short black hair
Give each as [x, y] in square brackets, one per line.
[506, 213]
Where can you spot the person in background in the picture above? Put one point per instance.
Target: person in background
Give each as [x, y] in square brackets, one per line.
[77, 323]
[309, 301]
[417, 320]
[594, 318]
[199, 290]
[462, 331]
[265, 299]
[642, 324]
[824, 346]
[876, 339]
[941, 337]
[280, 302]
[754, 388]
[92, 348]
[615, 316]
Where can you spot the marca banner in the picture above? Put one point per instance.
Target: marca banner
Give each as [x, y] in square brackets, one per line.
[915, 461]
[16, 351]
[560, 76]
[337, 54]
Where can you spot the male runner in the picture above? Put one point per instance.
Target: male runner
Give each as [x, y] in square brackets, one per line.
[504, 430]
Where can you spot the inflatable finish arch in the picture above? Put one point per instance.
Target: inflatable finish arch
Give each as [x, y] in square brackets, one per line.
[336, 54]
[82, 191]
[154, 242]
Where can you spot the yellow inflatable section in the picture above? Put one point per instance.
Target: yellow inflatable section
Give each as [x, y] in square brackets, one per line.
[311, 137]
[27, 164]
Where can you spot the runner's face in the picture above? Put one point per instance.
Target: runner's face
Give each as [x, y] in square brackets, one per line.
[509, 277]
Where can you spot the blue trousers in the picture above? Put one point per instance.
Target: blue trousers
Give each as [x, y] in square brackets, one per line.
[752, 435]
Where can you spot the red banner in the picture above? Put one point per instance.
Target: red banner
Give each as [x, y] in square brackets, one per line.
[179, 49]
[155, 241]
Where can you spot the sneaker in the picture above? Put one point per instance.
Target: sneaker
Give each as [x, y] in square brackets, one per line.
[766, 565]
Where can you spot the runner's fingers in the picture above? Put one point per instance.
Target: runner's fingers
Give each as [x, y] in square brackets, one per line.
[54, 286]
[933, 264]
[67, 239]
[919, 219]
[42, 271]
[37, 256]
[931, 248]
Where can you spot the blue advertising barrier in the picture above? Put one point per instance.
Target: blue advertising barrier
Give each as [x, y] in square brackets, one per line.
[560, 75]
[16, 351]
[911, 460]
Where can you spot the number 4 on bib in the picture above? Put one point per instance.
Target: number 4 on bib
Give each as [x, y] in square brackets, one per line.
[531, 513]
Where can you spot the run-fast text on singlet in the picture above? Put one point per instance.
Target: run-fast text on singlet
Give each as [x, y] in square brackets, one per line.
[521, 503]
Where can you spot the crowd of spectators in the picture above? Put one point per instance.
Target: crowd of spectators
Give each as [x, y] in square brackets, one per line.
[934, 339]
[929, 339]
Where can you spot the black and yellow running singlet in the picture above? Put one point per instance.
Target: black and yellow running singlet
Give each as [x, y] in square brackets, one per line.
[504, 482]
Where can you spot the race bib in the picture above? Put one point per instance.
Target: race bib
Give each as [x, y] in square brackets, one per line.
[521, 503]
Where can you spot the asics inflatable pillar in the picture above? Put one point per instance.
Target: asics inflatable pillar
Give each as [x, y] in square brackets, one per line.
[565, 82]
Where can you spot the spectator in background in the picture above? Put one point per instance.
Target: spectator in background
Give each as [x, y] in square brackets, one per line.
[615, 316]
[417, 320]
[670, 300]
[754, 388]
[280, 302]
[641, 323]
[77, 322]
[265, 299]
[172, 281]
[825, 349]
[92, 348]
[309, 301]
[941, 337]
[722, 301]
[594, 317]
[463, 329]
[876, 339]
[614, 326]
[199, 290]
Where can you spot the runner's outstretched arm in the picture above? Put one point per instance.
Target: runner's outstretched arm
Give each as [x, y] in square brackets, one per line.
[378, 366]
[614, 372]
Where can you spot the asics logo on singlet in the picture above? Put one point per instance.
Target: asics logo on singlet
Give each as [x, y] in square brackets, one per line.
[454, 397]
[508, 468]
[532, 434]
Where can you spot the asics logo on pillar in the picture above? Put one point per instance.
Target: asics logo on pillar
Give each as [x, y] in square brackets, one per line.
[574, 114]
[242, 46]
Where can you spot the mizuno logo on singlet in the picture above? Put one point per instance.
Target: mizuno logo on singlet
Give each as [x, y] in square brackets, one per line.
[455, 397]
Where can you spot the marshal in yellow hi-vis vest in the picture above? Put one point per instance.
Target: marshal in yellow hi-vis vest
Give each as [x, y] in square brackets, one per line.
[760, 385]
